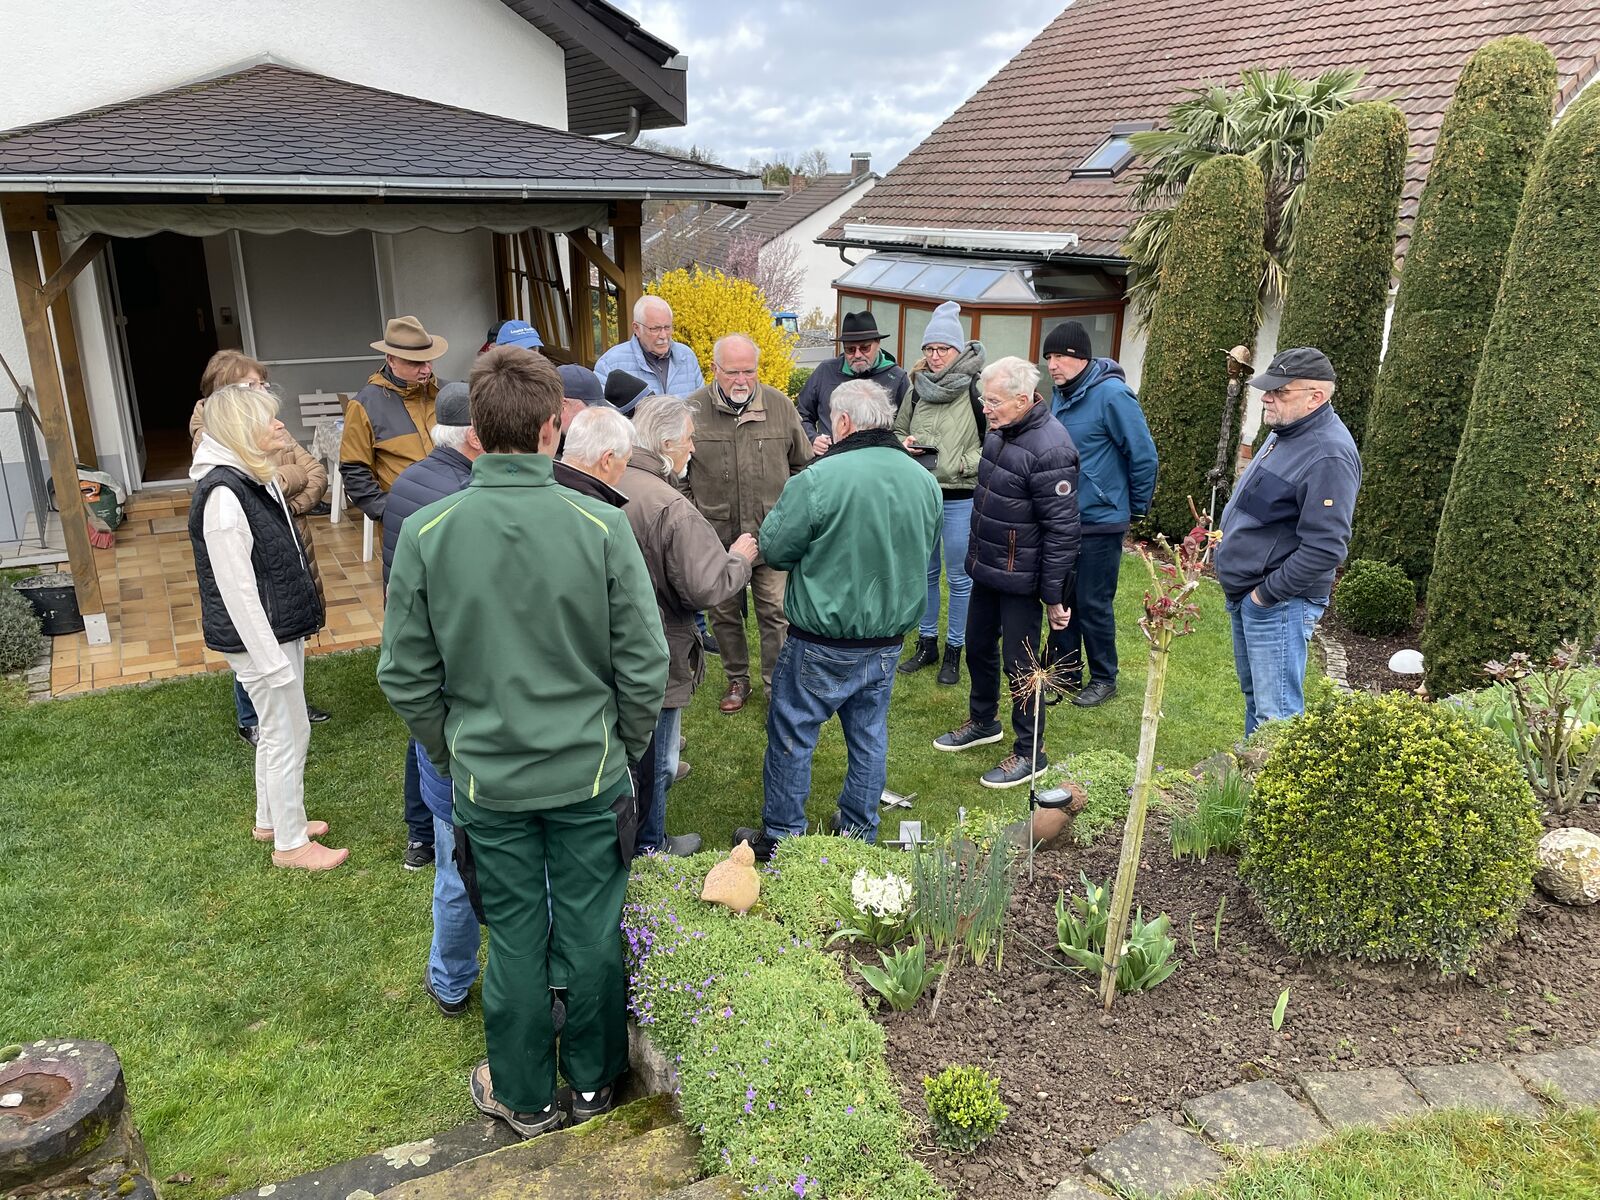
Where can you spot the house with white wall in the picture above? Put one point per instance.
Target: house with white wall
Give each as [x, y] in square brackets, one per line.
[182, 177]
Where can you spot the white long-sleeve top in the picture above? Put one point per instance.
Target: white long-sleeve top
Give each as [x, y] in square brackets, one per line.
[229, 542]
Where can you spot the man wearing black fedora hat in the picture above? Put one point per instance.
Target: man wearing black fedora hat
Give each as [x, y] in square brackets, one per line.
[863, 358]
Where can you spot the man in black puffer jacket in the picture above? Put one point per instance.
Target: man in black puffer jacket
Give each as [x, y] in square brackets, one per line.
[1023, 550]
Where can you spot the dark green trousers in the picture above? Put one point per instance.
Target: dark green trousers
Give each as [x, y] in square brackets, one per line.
[570, 929]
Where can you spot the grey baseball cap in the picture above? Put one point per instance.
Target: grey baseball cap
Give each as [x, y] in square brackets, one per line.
[453, 407]
[1303, 362]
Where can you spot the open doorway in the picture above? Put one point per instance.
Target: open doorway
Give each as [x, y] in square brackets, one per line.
[163, 299]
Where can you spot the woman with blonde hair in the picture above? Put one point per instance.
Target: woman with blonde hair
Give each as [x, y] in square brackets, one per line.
[302, 479]
[258, 604]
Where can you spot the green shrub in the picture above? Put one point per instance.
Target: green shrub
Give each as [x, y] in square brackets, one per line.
[1344, 250]
[21, 635]
[1385, 827]
[781, 1071]
[797, 380]
[1516, 567]
[965, 1105]
[1375, 599]
[1492, 131]
[1209, 277]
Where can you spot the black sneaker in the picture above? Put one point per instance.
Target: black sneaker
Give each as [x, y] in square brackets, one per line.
[418, 855]
[1014, 770]
[527, 1124]
[708, 643]
[683, 845]
[317, 715]
[602, 1101]
[1096, 693]
[950, 669]
[925, 655]
[969, 734]
[250, 733]
[448, 1008]
[759, 842]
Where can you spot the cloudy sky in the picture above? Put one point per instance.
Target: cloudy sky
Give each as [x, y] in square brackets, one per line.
[785, 76]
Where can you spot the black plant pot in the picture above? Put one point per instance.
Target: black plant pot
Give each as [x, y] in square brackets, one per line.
[55, 601]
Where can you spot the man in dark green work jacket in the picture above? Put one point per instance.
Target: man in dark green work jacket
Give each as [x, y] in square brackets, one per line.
[523, 647]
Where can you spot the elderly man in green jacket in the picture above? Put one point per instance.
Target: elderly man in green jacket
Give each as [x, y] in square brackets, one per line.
[854, 530]
[523, 648]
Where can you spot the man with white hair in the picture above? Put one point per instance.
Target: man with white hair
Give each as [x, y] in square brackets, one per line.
[595, 452]
[854, 530]
[748, 442]
[668, 368]
[453, 953]
[1023, 551]
[691, 571]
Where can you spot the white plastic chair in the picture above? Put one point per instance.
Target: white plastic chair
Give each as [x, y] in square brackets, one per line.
[320, 408]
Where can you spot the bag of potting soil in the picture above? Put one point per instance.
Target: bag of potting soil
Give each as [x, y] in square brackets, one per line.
[103, 498]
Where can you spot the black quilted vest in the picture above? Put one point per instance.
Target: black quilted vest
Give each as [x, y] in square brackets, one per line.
[287, 591]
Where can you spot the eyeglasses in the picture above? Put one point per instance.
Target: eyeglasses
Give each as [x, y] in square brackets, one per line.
[989, 404]
[657, 329]
[1284, 392]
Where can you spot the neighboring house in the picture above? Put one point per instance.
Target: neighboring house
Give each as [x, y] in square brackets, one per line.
[1018, 203]
[787, 226]
[282, 178]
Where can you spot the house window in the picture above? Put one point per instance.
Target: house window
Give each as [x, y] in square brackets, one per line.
[1113, 154]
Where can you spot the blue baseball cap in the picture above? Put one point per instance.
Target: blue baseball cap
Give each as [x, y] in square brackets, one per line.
[518, 333]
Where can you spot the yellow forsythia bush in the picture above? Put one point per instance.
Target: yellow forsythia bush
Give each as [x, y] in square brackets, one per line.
[707, 305]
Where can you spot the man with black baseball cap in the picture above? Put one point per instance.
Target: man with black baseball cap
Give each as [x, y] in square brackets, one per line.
[1285, 532]
[1116, 478]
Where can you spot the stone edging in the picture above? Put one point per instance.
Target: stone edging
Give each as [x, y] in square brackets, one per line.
[1335, 660]
[1162, 1159]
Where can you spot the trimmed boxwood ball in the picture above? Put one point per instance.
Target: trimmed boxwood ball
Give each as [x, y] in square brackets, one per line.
[1209, 279]
[1375, 599]
[21, 636]
[1515, 567]
[1492, 131]
[1386, 827]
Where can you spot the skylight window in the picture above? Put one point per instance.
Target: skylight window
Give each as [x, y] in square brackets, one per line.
[1113, 154]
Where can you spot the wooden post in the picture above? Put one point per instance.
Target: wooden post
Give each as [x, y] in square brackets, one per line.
[627, 217]
[582, 301]
[57, 431]
[71, 368]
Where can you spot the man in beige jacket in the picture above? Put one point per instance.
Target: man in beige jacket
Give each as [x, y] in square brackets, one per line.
[748, 442]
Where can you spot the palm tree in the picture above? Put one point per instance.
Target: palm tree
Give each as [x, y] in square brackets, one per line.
[1272, 119]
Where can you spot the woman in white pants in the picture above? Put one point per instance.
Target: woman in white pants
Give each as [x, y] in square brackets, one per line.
[258, 604]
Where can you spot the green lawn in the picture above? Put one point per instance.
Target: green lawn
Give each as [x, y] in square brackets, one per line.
[1445, 1156]
[271, 1021]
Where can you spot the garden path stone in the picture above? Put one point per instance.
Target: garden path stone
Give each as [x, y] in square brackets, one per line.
[1574, 1073]
[1376, 1096]
[1490, 1086]
[1156, 1158]
[1255, 1116]
[1075, 1189]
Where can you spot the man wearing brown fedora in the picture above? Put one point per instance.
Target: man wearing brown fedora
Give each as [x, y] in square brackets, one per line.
[863, 357]
[386, 427]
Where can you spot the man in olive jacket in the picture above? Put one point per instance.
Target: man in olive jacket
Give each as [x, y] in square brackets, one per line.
[748, 442]
[522, 647]
[855, 530]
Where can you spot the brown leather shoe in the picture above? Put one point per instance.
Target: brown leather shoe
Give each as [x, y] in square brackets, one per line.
[733, 699]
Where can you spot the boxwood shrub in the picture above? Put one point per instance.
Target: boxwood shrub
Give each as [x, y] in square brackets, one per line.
[1385, 827]
[781, 1070]
[1375, 599]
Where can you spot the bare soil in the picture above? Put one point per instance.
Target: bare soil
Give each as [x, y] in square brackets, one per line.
[1075, 1079]
[1369, 656]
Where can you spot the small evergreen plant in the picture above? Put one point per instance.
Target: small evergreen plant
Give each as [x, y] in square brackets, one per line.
[964, 1104]
[1375, 599]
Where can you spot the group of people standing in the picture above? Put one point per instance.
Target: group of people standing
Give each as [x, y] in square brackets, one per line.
[550, 541]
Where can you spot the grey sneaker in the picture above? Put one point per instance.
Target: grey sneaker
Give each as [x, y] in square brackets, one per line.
[1014, 770]
[527, 1124]
[969, 734]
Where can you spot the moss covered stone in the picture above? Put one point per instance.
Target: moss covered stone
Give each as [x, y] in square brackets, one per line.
[1344, 250]
[1209, 278]
[1492, 131]
[1517, 565]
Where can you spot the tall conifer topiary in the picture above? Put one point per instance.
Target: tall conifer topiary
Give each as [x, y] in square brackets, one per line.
[1492, 132]
[1344, 250]
[1207, 304]
[1517, 566]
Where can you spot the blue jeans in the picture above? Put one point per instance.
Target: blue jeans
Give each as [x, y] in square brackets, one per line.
[653, 823]
[1269, 654]
[811, 683]
[957, 530]
[242, 706]
[453, 955]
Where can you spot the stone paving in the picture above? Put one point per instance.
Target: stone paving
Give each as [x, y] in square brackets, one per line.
[1160, 1159]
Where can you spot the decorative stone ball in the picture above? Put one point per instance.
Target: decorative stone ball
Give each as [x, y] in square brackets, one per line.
[734, 882]
[1569, 866]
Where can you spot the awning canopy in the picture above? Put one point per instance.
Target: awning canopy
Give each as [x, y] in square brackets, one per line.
[202, 220]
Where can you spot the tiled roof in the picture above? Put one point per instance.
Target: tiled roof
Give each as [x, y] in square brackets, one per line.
[704, 232]
[769, 219]
[283, 128]
[1003, 159]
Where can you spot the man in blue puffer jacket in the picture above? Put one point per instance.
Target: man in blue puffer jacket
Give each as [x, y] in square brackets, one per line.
[1023, 550]
[1116, 478]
